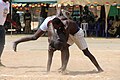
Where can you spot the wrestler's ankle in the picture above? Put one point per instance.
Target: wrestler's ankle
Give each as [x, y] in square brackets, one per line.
[100, 70]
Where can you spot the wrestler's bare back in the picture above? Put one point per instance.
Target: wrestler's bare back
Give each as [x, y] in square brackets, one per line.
[70, 26]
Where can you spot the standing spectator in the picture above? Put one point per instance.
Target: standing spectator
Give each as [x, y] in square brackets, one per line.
[102, 21]
[43, 13]
[27, 20]
[4, 10]
[16, 19]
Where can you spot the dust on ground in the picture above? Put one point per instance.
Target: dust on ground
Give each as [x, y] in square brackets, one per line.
[30, 61]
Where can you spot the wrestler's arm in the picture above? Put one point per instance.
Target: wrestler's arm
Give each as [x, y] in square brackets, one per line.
[38, 33]
[67, 30]
[43, 27]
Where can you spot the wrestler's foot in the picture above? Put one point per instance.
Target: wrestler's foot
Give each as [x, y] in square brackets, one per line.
[100, 70]
[65, 72]
[2, 65]
[15, 46]
[59, 69]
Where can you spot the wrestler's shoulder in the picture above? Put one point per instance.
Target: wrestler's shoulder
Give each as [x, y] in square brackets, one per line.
[51, 17]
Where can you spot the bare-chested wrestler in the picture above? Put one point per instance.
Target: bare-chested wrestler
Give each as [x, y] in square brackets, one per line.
[42, 29]
[76, 35]
[57, 41]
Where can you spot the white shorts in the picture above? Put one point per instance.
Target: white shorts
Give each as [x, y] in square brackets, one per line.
[78, 39]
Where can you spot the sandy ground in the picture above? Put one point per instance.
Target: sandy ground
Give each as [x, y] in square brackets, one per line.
[29, 63]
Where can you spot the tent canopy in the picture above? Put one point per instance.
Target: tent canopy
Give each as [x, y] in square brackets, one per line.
[84, 2]
[29, 1]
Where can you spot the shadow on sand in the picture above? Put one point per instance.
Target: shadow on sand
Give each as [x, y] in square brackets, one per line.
[82, 72]
[26, 67]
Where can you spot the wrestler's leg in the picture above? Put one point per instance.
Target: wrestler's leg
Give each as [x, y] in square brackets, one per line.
[64, 59]
[50, 55]
[92, 58]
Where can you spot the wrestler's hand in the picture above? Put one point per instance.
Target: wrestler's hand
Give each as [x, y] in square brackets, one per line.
[15, 46]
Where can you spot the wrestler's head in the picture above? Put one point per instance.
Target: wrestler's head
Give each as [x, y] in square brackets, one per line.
[57, 23]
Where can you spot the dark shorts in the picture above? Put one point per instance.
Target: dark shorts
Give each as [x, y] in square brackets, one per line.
[2, 35]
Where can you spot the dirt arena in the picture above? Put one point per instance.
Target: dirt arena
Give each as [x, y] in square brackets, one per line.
[30, 62]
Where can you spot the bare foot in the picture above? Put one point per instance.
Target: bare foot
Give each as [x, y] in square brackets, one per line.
[60, 69]
[2, 65]
[15, 46]
[65, 72]
[100, 70]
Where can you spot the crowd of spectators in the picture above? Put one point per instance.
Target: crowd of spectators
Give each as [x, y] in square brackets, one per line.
[96, 26]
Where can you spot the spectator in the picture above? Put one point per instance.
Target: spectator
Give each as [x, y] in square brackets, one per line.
[27, 20]
[4, 10]
[16, 19]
